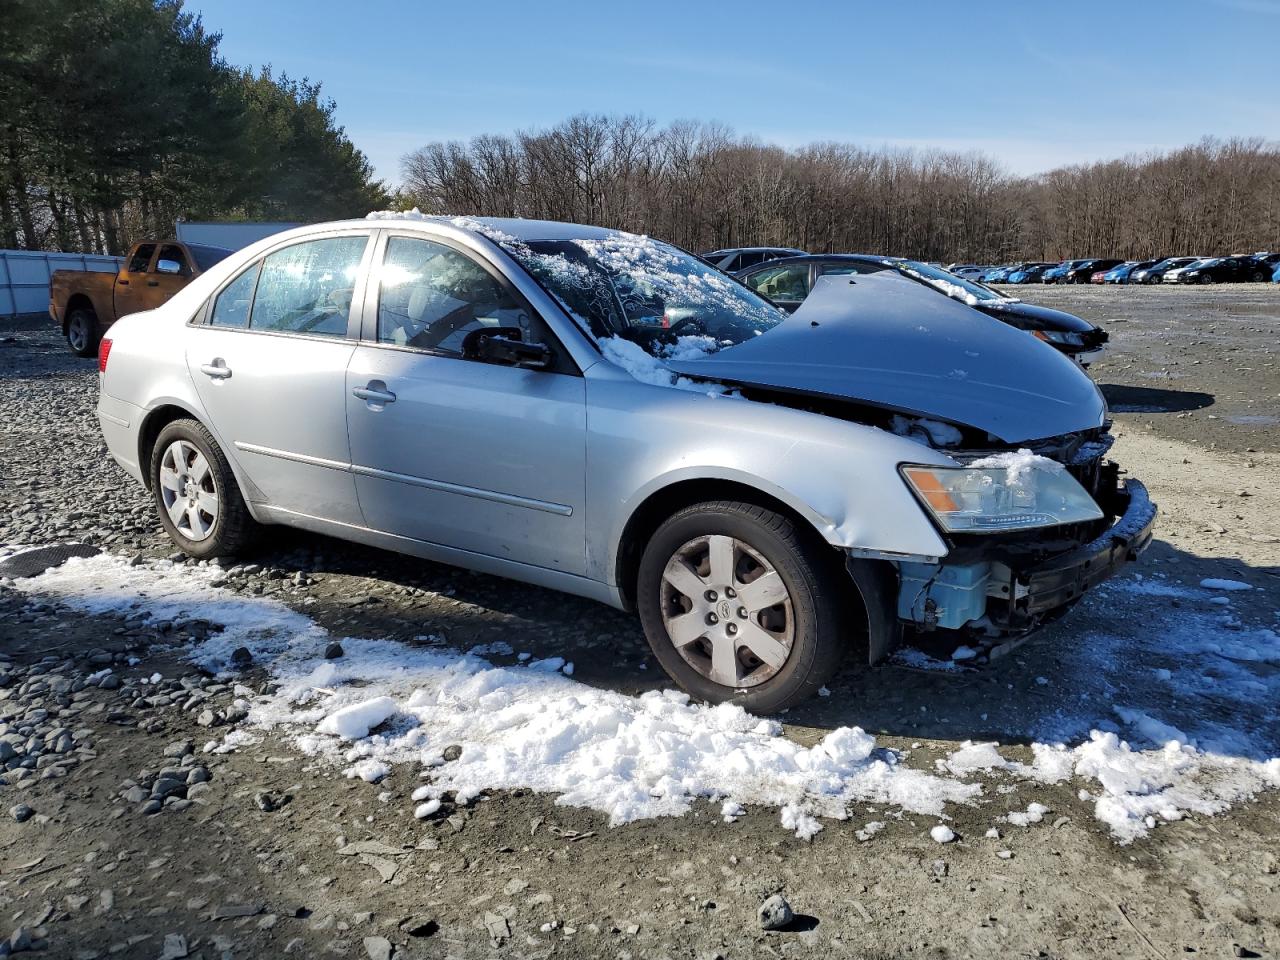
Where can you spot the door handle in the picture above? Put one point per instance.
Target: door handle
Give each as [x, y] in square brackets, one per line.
[375, 392]
[123, 283]
[153, 283]
[218, 370]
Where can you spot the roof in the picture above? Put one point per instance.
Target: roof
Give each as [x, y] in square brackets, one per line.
[515, 227]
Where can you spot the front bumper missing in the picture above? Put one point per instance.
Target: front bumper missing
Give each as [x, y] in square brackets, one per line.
[1022, 598]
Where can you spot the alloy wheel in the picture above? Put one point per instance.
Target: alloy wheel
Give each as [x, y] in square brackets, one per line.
[727, 611]
[78, 332]
[188, 490]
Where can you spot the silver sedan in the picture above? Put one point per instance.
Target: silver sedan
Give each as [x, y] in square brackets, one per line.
[604, 414]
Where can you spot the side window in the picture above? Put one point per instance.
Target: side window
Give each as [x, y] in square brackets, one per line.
[173, 254]
[307, 288]
[733, 263]
[431, 296]
[842, 269]
[231, 309]
[141, 257]
[790, 282]
[750, 259]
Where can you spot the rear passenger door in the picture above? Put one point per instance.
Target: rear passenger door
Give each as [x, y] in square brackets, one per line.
[269, 358]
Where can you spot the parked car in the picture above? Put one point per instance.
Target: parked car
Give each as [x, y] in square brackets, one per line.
[1156, 272]
[1122, 272]
[1265, 265]
[997, 274]
[85, 304]
[1215, 270]
[969, 272]
[1084, 271]
[777, 493]
[1055, 274]
[788, 282]
[739, 258]
[1030, 273]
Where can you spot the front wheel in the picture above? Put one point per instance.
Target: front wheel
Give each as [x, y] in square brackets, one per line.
[738, 604]
[196, 494]
[1206, 279]
[82, 332]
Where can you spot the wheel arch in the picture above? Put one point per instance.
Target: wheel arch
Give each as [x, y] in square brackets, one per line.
[155, 420]
[75, 302]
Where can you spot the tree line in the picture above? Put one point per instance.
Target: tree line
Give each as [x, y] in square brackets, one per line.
[703, 187]
[117, 117]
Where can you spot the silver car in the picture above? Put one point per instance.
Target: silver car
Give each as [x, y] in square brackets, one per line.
[604, 414]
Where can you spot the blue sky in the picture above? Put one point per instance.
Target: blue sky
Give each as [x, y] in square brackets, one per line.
[1034, 84]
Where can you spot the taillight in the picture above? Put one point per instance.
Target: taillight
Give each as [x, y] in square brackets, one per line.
[104, 351]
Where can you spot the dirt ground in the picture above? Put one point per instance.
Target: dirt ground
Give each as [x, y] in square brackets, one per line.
[269, 853]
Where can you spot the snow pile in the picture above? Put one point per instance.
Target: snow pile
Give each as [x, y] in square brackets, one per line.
[524, 726]
[1202, 738]
[646, 368]
[1019, 464]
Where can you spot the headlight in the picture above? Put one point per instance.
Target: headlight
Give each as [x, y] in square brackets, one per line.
[1067, 337]
[1030, 492]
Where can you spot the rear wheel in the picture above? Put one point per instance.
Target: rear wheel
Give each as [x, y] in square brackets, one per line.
[82, 332]
[1206, 279]
[738, 604]
[196, 494]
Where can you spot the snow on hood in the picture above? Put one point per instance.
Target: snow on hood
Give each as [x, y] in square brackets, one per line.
[886, 340]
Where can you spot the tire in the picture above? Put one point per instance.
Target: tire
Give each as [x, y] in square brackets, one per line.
[1206, 279]
[207, 518]
[1259, 276]
[764, 545]
[82, 332]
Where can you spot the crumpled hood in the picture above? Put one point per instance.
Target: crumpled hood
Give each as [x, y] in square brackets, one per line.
[889, 341]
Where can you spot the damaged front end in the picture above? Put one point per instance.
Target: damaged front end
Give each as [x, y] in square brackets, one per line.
[1000, 583]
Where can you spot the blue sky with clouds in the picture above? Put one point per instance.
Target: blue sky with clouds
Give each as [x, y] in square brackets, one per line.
[1033, 84]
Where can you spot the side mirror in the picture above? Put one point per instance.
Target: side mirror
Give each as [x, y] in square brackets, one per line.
[168, 266]
[503, 345]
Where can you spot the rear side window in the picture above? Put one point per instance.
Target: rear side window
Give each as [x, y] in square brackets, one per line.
[231, 309]
[307, 288]
[141, 257]
[787, 283]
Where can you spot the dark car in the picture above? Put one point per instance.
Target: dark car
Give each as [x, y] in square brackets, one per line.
[1030, 273]
[1085, 270]
[1156, 272]
[1217, 270]
[788, 281]
[733, 259]
[1266, 265]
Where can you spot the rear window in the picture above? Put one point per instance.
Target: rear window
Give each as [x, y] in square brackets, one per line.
[206, 257]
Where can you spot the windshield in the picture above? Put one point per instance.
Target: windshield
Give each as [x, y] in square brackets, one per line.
[645, 291]
[948, 283]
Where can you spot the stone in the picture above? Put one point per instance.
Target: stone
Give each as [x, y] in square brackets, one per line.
[21, 812]
[175, 947]
[153, 805]
[938, 868]
[269, 801]
[499, 929]
[135, 794]
[775, 913]
[377, 948]
[333, 651]
[241, 657]
[178, 749]
[232, 911]
[452, 752]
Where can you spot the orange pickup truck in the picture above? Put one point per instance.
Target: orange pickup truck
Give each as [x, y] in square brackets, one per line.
[84, 303]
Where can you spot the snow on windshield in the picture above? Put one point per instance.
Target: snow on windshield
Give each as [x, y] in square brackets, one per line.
[634, 287]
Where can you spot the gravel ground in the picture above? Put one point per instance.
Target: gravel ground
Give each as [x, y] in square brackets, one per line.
[124, 839]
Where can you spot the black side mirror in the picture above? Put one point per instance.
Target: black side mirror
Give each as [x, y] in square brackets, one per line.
[504, 345]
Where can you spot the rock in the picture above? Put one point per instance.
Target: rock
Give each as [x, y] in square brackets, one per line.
[452, 752]
[109, 682]
[269, 801]
[938, 868]
[942, 833]
[775, 913]
[135, 794]
[207, 718]
[179, 749]
[153, 805]
[499, 929]
[419, 926]
[378, 948]
[198, 775]
[233, 911]
[333, 651]
[21, 812]
[175, 947]
[20, 941]
[168, 786]
[241, 657]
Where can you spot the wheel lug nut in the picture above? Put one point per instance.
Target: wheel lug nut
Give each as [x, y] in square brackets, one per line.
[730, 592]
[711, 596]
[712, 619]
[731, 629]
[742, 612]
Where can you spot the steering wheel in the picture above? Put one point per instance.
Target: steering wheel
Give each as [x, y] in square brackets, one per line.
[686, 326]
